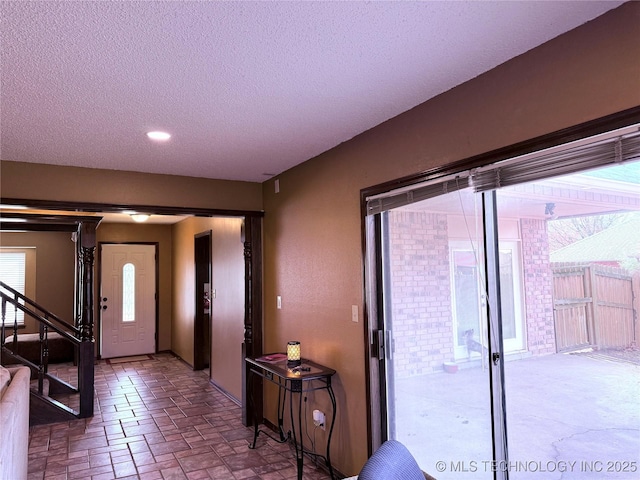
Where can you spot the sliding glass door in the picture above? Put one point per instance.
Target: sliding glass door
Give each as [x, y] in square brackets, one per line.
[435, 324]
[506, 321]
[573, 395]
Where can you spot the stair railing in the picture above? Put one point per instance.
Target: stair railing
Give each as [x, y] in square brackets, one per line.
[47, 320]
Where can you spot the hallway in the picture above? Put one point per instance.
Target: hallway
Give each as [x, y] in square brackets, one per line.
[156, 419]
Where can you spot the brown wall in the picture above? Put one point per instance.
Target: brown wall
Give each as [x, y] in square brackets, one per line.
[137, 233]
[55, 270]
[312, 240]
[227, 308]
[50, 182]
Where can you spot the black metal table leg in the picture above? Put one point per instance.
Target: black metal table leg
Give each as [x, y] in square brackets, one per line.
[282, 398]
[296, 386]
[333, 421]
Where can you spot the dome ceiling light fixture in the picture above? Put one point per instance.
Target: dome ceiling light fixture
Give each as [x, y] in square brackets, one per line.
[140, 217]
[159, 136]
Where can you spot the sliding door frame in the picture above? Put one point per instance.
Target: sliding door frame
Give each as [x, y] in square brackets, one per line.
[494, 327]
[371, 253]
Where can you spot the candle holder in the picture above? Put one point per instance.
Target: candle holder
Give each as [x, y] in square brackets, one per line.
[293, 354]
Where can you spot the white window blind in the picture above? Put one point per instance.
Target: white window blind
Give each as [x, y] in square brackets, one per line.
[12, 272]
[557, 161]
[586, 154]
[416, 193]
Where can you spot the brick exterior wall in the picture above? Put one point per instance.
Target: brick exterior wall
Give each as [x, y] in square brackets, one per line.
[420, 288]
[538, 287]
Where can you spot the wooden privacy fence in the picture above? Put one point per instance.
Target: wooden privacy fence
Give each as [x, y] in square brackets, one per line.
[595, 305]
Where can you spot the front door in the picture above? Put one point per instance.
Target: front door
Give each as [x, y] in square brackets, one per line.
[127, 300]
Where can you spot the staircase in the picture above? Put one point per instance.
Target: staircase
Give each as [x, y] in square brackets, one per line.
[52, 399]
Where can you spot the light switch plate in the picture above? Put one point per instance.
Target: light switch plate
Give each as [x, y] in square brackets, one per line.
[278, 302]
[354, 313]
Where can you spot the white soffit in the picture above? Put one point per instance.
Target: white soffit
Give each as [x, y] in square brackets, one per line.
[245, 88]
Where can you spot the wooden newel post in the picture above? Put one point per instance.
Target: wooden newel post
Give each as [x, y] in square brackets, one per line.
[252, 346]
[86, 253]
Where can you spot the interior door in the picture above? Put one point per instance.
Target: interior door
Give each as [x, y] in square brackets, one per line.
[127, 300]
[203, 301]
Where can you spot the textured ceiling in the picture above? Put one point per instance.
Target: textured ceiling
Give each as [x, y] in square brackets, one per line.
[247, 89]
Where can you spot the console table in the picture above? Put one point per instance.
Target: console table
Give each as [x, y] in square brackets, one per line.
[307, 377]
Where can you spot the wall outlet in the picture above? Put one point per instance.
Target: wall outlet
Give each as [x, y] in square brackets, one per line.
[354, 313]
[318, 419]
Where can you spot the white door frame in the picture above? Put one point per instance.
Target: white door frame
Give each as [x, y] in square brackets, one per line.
[516, 343]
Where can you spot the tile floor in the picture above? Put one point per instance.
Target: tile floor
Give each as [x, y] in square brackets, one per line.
[157, 419]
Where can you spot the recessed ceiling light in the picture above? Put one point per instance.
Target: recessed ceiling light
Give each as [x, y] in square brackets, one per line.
[159, 136]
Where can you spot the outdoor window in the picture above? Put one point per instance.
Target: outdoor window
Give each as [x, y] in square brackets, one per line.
[17, 270]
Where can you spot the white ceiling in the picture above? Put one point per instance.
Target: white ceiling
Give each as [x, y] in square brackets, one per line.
[247, 89]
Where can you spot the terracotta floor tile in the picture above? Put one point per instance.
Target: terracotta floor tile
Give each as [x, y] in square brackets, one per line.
[121, 458]
[111, 449]
[172, 435]
[127, 439]
[166, 457]
[244, 474]
[156, 420]
[74, 467]
[220, 473]
[155, 475]
[238, 461]
[158, 466]
[139, 447]
[37, 465]
[124, 469]
[154, 438]
[143, 458]
[99, 459]
[198, 475]
[88, 472]
[88, 443]
[194, 451]
[55, 468]
[168, 447]
[175, 473]
[47, 476]
[271, 476]
[200, 462]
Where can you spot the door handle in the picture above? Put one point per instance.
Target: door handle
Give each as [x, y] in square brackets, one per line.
[389, 344]
[496, 358]
[380, 345]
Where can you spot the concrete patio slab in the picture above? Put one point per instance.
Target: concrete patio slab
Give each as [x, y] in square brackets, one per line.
[569, 416]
